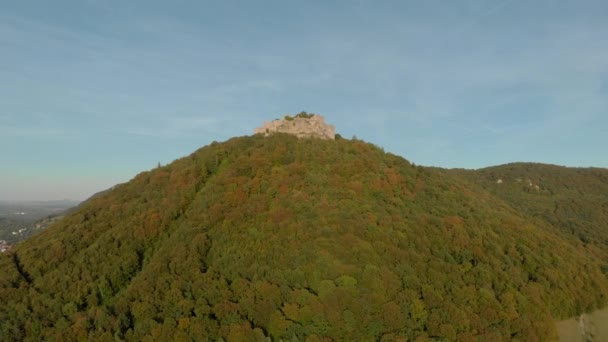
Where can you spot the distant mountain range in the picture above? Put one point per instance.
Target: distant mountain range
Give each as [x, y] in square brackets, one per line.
[315, 240]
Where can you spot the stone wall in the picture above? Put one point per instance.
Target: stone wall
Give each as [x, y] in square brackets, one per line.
[314, 127]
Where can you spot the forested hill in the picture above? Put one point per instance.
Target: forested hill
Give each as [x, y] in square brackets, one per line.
[299, 240]
[574, 200]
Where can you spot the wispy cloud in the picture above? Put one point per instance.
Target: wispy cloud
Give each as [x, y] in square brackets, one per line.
[178, 127]
[33, 133]
[433, 80]
[234, 91]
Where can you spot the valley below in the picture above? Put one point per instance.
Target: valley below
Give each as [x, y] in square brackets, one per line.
[22, 219]
[588, 327]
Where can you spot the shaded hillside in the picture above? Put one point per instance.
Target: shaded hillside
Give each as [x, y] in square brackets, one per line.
[574, 200]
[295, 240]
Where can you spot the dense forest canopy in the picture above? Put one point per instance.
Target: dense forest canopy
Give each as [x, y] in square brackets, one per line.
[313, 240]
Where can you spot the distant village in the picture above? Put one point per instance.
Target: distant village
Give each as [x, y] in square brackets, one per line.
[4, 246]
[27, 231]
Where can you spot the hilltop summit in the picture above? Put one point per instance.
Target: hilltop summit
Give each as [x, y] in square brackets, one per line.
[303, 125]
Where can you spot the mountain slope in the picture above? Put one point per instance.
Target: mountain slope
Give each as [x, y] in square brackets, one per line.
[573, 200]
[307, 239]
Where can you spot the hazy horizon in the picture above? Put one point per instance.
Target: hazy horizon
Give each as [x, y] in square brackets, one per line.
[95, 92]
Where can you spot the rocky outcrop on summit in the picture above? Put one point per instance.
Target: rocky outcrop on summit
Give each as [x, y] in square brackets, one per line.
[302, 125]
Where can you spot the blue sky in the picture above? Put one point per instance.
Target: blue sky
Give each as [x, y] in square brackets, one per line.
[93, 92]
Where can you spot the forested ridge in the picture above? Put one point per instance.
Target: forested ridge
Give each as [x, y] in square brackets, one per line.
[308, 240]
[574, 200]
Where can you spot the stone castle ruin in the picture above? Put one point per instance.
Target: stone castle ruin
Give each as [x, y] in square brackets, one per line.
[303, 125]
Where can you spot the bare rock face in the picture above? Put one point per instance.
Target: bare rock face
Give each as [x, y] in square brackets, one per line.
[302, 125]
